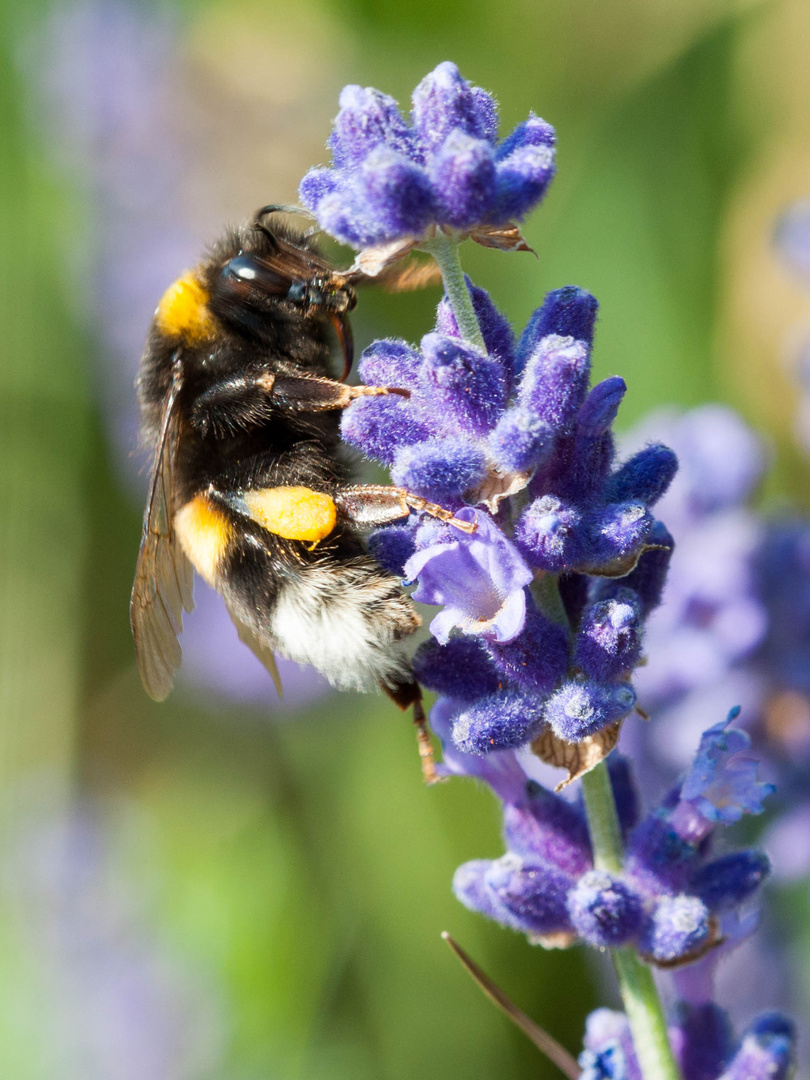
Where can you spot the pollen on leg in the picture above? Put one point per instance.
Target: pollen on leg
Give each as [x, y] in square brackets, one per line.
[183, 311]
[295, 513]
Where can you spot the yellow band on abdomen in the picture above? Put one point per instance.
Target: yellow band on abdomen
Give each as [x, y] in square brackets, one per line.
[296, 513]
[204, 532]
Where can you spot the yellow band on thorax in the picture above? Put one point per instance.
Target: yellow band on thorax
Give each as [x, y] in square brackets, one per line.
[183, 311]
[296, 513]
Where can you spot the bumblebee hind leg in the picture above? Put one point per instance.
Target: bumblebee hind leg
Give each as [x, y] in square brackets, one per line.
[406, 694]
[367, 505]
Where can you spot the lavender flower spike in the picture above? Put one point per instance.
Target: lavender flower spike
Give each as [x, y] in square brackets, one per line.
[393, 181]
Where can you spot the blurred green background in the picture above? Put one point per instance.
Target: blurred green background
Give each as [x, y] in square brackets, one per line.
[209, 888]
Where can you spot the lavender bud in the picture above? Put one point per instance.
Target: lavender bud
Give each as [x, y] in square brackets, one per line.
[470, 887]
[390, 362]
[645, 477]
[439, 469]
[767, 1051]
[537, 659]
[600, 407]
[462, 173]
[555, 379]
[567, 312]
[609, 640]
[501, 721]
[520, 441]
[367, 119]
[467, 388]
[549, 534]
[444, 101]
[617, 535]
[702, 1040]
[395, 194]
[604, 910]
[528, 897]
[659, 857]
[392, 547]
[544, 826]
[341, 214]
[579, 709]
[521, 181]
[379, 426]
[609, 1052]
[648, 577]
[316, 185]
[535, 894]
[679, 926]
[460, 669]
[726, 882]
[532, 132]
[500, 770]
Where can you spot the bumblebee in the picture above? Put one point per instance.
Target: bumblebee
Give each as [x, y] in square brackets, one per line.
[248, 487]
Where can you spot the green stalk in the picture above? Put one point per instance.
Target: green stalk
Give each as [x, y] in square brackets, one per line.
[639, 992]
[445, 251]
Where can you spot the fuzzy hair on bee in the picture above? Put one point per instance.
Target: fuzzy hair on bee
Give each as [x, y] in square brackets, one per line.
[249, 487]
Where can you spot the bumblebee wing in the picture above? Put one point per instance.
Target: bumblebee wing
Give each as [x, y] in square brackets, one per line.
[163, 584]
[263, 653]
[409, 275]
[404, 274]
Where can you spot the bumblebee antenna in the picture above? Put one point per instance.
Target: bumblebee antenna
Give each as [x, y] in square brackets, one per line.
[281, 208]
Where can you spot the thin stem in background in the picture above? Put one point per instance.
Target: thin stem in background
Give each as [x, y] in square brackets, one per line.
[544, 1042]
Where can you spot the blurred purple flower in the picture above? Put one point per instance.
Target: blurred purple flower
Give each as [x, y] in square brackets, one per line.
[117, 1003]
[792, 238]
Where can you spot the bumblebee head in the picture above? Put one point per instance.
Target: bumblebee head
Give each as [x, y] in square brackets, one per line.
[259, 277]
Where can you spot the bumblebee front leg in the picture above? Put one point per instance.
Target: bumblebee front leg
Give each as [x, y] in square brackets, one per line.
[245, 401]
[377, 504]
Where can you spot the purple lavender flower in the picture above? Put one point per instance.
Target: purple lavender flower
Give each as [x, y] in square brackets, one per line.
[477, 428]
[722, 783]
[479, 578]
[666, 902]
[114, 1002]
[792, 238]
[703, 1040]
[394, 181]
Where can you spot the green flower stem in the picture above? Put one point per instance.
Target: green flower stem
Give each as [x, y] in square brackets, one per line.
[444, 250]
[546, 592]
[603, 821]
[639, 992]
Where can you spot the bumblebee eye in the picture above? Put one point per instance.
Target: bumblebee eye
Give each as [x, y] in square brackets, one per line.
[245, 270]
[241, 267]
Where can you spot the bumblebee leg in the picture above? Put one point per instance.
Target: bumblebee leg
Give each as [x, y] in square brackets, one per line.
[244, 401]
[409, 694]
[378, 504]
[314, 394]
